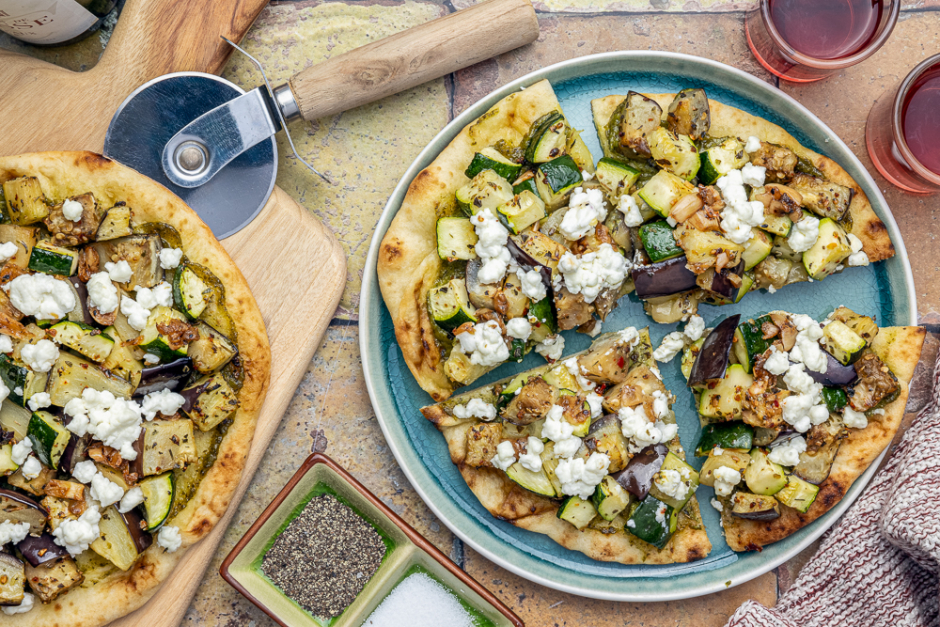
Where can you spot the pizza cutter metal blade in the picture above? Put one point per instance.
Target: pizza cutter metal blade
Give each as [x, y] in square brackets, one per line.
[213, 144]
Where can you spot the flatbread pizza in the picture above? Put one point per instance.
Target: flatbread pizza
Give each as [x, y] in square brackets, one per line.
[133, 366]
[585, 451]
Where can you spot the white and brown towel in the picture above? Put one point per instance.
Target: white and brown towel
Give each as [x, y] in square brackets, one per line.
[879, 566]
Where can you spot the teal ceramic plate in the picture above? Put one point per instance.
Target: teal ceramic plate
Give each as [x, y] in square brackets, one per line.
[885, 290]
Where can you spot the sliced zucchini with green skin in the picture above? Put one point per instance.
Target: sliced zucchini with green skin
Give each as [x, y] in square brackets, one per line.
[763, 476]
[724, 435]
[524, 210]
[159, 492]
[842, 342]
[689, 478]
[544, 314]
[749, 342]
[526, 185]
[579, 151]
[17, 376]
[189, 292]
[556, 178]
[121, 360]
[719, 160]
[456, 239]
[7, 465]
[49, 437]
[209, 401]
[689, 355]
[25, 200]
[85, 339]
[72, 374]
[798, 494]
[549, 142]
[724, 399]
[577, 511]
[676, 153]
[212, 350]
[747, 283]
[610, 498]
[659, 242]
[864, 326]
[663, 191]
[756, 249]
[487, 190]
[653, 521]
[449, 305]
[53, 259]
[754, 506]
[156, 343]
[536, 482]
[778, 225]
[830, 250]
[492, 159]
[617, 177]
[835, 399]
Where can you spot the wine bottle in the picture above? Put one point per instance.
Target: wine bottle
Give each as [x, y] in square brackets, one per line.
[53, 22]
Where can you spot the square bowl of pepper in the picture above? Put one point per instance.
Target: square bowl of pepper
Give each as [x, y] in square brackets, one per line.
[328, 553]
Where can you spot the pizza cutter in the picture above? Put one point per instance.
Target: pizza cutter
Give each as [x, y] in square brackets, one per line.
[213, 144]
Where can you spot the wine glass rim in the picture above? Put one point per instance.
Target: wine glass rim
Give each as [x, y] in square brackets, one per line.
[897, 121]
[889, 19]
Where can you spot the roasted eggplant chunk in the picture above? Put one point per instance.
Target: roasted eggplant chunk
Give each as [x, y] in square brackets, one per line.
[531, 403]
[689, 114]
[877, 385]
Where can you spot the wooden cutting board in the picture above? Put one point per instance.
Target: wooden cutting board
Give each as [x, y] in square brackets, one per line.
[46, 107]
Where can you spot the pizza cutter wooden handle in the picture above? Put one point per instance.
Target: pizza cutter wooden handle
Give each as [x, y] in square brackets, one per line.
[414, 56]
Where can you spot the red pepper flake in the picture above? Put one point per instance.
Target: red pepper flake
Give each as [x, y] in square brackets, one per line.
[621, 361]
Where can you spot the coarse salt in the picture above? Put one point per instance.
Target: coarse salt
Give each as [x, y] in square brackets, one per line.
[424, 601]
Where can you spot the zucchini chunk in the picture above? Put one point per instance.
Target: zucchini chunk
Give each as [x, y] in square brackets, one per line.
[115, 223]
[610, 498]
[725, 435]
[763, 476]
[85, 339]
[798, 494]
[492, 159]
[653, 521]
[159, 492]
[20, 380]
[689, 114]
[703, 247]
[524, 210]
[605, 436]
[689, 478]
[190, 292]
[7, 465]
[209, 401]
[756, 249]
[549, 141]
[536, 482]
[52, 579]
[577, 511]
[658, 241]
[24, 237]
[12, 580]
[487, 190]
[449, 305]
[527, 183]
[579, 151]
[749, 342]
[157, 338]
[835, 399]
[778, 225]
[719, 160]
[842, 342]
[754, 506]
[459, 368]
[72, 374]
[121, 360]
[14, 417]
[211, 351]
[736, 459]
[663, 191]
[724, 399]
[555, 178]
[782, 249]
[864, 326]
[141, 252]
[826, 198]
[49, 437]
[166, 445]
[830, 249]
[456, 239]
[51, 259]
[121, 540]
[676, 153]
[26, 203]
[616, 177]
[546, 251]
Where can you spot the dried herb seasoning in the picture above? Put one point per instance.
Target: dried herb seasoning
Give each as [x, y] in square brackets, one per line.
[324, 557]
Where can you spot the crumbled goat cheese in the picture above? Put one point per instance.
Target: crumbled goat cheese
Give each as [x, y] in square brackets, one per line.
[593, 272]
[39, 400]
[31, 468]
[803, 408]
[788, 454]
[560, 431]
[22, 450]
[739, 214]
[101, 293]
[6, 343]
[13, 532]
[161, 402]
[491, 246]
[804, 234]
[585, 209]
[519, 328]
[630, 336]
[878, 412]
[25, 605]
[596, 402]
[531, 459]
[717, 505]
[41, 296]
[575, 369]
[854, 419]
[640, 432]
[807, 349]
[630, 210]
[586, 176]
[777, 362]
[151, 359]
[505, 456]
[596, 329]
[132, 498]
[137, 315]
[670, 483]
[532, 285]
[105, 491]
[120, 272]
[160, 294]
[169, 538]
[725, 480]
[753, 175]
[40, 357]
[661, 514]
[752, 145]
[579, 477]
[858, 257]
[72, 210]
[113, 421]
[484, 344]
[84, 471]
[631, 524]
[75, 535]
[551, 348]
[694, 328]
[475, 408]
[771, 289]
[660, 404]
[170, 258]
[8, 250]
[670, 347]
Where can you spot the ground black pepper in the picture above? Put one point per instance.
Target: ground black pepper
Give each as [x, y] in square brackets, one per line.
[324, 557]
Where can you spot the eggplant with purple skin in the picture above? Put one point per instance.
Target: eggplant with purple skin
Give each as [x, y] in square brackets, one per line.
[122, 539]
[82, 292]
[169, 376]
[836, 375]
[754, 506]
[75, 452]
[663, 278]
[12, 580]
[527, 262]
[17, 508]
[720, 283]
[40, 549]
[713, 356]
[137, 528]
[637, 477]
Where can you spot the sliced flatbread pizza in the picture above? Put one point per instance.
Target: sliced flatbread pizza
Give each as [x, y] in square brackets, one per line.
[584, 451]
[726, 202]
[793, 411]
[134, 364]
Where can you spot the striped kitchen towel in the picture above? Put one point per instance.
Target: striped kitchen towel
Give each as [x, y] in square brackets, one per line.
[879, 566]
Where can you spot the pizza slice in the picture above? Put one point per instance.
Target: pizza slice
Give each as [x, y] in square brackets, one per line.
[723, 202]
[584, 451]
[793, 411]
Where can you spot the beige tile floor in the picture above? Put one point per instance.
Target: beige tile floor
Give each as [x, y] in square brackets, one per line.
[366, 150]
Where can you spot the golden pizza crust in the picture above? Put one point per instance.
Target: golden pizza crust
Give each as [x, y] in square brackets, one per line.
[899, 348]
[408, 263]
[64, 174]
[728, 121]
